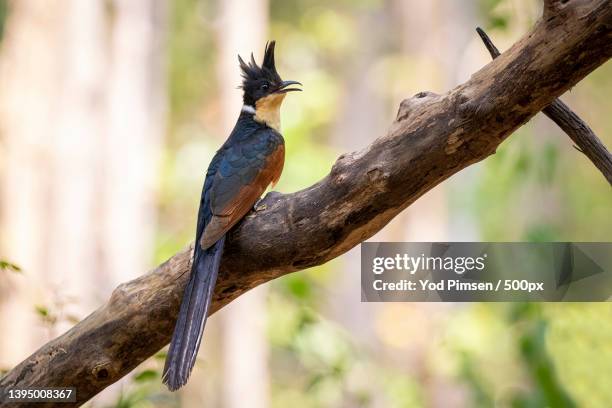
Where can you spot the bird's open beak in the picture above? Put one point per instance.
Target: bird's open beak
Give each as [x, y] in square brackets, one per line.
[283, 88]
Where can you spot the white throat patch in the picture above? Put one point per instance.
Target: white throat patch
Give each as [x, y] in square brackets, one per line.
[248, 109]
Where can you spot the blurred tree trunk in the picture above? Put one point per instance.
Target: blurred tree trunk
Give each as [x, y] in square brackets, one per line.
[52, 91]
[243, 28]
[22, 129]
[435, 53]
[362, 113]
[431, 51]
[81, 117]
[135, 118]
[136, 107]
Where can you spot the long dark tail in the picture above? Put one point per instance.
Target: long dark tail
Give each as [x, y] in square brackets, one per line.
[192, 316]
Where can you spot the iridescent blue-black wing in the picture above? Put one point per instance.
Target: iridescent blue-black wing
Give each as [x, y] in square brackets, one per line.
[244, 172]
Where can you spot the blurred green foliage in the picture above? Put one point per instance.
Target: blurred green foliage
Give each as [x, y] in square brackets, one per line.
[9, 266]
[192, 51]
[143, 392]
[3, 16]
[538, 188]
[547, 390]
[495, 19]
[535, 188]
[316, 363]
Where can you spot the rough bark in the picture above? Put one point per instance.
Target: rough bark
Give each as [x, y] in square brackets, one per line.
[432, 138]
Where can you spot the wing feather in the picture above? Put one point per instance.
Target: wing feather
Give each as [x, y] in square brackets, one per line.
[241, 180]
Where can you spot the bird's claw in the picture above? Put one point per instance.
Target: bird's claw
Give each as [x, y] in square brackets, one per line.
[260, 205]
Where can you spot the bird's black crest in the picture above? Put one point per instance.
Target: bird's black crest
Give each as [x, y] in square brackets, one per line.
[254, 76]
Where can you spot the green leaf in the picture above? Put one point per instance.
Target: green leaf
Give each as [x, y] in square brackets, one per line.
[43, 311]
[298, 286]
[161, 355]
[8, 266]
[541, 233]
[500, 22]
[523, 163]
[146, 375]
[315, 380]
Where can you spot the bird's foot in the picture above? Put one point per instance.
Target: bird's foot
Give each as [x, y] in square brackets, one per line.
[261, 205]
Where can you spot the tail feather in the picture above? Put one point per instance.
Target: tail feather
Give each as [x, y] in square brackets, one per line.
[192, 316]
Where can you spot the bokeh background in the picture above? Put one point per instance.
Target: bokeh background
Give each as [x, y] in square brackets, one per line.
[110, 111]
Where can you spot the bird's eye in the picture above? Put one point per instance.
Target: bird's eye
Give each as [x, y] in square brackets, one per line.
[265, 87]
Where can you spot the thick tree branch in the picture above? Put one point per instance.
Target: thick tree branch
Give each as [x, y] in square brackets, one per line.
[580, 133]
[432, 138]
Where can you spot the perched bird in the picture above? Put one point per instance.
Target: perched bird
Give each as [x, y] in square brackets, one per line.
[249, 161]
